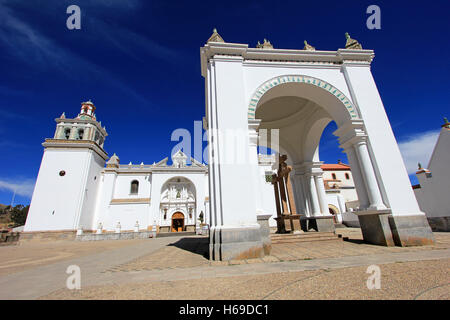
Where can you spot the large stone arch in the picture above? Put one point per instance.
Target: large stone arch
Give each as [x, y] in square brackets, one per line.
[294, 84]
[240, 79]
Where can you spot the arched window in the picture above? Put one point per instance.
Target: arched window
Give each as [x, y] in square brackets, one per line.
[347, 176]
[134, 187]
[333, 175]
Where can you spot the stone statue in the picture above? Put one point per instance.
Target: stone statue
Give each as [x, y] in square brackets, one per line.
[308, 47]
[352, 43]
[265, 45]
[215, 37]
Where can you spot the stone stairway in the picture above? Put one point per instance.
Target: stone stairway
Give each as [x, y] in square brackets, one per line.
[310, 236]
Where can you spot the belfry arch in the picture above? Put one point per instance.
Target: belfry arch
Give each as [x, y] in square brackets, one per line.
[299, 92]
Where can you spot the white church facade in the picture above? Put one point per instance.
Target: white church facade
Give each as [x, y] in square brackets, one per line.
[77, 188]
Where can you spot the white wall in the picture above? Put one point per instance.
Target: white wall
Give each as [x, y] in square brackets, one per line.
[57, 201]
[434, 192]
[117, 186]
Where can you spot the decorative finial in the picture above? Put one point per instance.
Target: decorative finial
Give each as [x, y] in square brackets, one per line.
[308, 46]
[420, 166]
[446, 123]
[352, 43]
[63, 116]
[215, 37]
[265, 45]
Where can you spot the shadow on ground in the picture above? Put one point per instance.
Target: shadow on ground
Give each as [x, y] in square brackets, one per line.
[356, 241]
[197, 245]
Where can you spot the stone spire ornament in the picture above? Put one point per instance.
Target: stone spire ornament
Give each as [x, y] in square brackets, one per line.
[113, 162]
[446, 123]
[419, 166]
[63, 116]
[352, 43]
[308, 47]
[265, 45]
[215, 37]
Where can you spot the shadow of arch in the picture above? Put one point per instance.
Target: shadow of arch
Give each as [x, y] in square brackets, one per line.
[197, 245]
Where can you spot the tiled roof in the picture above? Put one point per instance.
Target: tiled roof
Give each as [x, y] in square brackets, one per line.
[335, 166]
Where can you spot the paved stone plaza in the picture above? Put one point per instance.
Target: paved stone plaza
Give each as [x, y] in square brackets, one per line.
[178, 268]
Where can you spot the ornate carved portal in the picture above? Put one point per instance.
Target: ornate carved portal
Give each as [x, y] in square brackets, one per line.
[287, 218]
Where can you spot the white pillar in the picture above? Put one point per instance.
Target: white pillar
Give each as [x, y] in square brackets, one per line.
[253, 157]
[306, 196]
[299, 197]
[321, 193]
[373, 192]
[357, 178]
[235, 232]
[315, 205]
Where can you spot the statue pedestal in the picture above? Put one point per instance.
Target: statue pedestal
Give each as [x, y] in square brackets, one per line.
[263, 221]
[319, 223]
[375, 227]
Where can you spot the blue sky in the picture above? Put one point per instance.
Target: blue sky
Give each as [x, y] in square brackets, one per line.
[139, 62]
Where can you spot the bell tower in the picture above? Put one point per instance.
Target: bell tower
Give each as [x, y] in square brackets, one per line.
[66, 188]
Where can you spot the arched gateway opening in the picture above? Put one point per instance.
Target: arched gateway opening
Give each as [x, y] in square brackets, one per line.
[299, 92]
[299, 108]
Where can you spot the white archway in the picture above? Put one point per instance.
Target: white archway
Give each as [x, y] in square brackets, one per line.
[321, 86]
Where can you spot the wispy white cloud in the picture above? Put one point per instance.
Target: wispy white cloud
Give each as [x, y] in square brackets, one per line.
[11, 115]
[20, 187]
[418, 148]
[126, 40]
[30, 46]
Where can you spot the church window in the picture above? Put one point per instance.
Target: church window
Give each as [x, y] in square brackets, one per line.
[67, 133]
[134, 187]
[333, 175]
[347, 176]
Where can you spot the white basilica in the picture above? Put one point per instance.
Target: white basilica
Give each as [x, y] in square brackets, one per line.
[77, 188]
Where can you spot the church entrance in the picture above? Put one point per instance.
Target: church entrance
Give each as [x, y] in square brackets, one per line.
[177, 222]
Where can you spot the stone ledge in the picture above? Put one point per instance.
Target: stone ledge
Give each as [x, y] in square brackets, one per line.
[115, 236]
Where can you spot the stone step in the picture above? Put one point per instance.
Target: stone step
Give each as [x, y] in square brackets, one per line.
[302, 235]
[305, 240]
[175, 234]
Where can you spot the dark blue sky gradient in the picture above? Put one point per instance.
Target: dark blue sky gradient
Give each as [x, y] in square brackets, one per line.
[139, 62]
